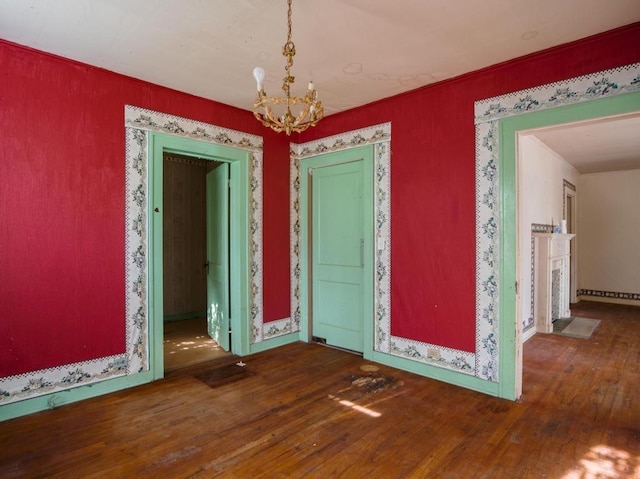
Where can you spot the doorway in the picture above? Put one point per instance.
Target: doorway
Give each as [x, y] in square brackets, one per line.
[227, 190]
[510, 273]
[195, 260]
[337, 193]
[570, 216]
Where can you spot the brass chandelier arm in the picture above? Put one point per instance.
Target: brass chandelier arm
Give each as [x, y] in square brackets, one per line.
[309, 115]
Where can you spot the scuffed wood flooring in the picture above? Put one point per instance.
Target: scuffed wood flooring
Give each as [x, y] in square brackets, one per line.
[310, 411]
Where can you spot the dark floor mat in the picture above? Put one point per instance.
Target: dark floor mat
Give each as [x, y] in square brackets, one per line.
[224, 375]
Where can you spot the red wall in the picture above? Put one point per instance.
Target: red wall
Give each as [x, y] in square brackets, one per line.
[62, 205]
[432, 180]
[275, 258]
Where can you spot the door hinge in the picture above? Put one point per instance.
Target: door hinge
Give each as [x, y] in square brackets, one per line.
[516, 287]
[229, 183]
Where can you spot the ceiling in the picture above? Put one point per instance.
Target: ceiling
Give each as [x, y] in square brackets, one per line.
[607, 144]
[355, 51]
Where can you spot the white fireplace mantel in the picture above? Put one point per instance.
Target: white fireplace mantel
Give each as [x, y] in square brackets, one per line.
[552, 295]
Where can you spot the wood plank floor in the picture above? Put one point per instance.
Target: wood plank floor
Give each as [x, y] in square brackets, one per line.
[310, 411]
[187, 342]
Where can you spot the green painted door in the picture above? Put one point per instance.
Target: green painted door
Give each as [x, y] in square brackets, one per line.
[218, 254]
[337, 294]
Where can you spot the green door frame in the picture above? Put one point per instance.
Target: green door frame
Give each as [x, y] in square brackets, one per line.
[239, 164]
[364, 153]
[510, 351]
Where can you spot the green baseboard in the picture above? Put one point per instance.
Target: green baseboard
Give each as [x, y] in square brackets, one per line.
[437, 373]
[274, 342]
[69, 396]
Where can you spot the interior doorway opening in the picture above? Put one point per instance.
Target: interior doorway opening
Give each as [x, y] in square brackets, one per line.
[570, 217]
[564, 217]
[187, 262]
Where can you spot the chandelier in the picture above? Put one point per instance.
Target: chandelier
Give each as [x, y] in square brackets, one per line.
[276, 112]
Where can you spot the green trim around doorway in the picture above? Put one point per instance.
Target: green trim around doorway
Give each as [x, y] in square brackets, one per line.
[366, 154]
[239, 164]
[508, 130]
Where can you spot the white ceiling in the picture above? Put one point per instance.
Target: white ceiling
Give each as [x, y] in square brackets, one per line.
[597, 146]
[356, 51]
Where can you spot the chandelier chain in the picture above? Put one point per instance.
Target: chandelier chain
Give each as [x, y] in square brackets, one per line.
[288, 50]
[289, 21]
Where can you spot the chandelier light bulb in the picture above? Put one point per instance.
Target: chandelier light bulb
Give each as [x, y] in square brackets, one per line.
[258, 74]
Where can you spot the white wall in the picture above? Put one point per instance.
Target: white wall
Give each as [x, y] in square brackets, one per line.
[609, 221]
[541, 175]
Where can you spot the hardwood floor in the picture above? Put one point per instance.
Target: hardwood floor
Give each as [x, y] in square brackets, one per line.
[310, 411]
[187, 343]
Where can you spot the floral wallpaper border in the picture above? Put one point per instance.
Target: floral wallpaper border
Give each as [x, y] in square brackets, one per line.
[488, 112]
[138, 122]
[617, 81]
[487, 251]
[609, 294]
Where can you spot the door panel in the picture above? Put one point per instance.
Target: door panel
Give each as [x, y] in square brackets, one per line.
[218, 255]
[337, 254]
